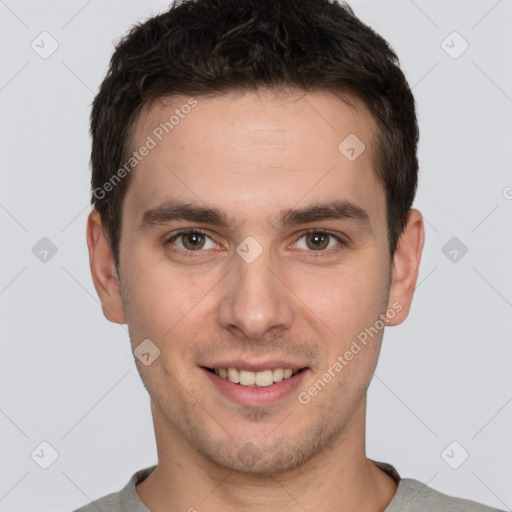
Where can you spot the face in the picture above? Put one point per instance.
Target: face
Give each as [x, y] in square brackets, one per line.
[253, 244]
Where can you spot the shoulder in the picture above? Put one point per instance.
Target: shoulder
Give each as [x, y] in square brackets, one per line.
[110, 503]
[125, 499]
[415, 496]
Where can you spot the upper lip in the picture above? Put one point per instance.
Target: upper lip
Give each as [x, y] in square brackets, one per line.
[256, 366]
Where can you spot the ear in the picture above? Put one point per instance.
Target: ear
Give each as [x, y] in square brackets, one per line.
[104, 274]
[405, 266]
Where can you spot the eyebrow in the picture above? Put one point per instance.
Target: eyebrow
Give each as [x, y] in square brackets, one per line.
[174, 211]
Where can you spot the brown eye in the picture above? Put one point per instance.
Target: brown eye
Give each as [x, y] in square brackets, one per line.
[192, 241]
[317, 241]
[320, 242]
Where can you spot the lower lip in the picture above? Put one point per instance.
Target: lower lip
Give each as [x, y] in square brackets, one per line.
[257, 396]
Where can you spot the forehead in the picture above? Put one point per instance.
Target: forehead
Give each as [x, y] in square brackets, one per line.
[266, 148]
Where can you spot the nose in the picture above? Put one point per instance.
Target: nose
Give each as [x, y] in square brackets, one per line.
[257, 299]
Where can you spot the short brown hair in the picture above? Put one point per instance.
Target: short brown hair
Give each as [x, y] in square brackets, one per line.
[203, 47]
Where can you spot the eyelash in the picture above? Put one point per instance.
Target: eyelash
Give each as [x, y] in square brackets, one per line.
[314, 254]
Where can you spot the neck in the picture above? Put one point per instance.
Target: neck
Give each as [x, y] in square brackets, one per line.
[339, 478]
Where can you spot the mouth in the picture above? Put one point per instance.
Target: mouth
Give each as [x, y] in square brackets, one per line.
[255, 379]
[257, 386]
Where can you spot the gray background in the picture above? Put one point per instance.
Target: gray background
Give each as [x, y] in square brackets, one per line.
[67, 374]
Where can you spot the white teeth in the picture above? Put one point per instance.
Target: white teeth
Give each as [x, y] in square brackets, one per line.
[233, 375]
[278, 374]
[265, 378]
[247, 378]
[255, 379]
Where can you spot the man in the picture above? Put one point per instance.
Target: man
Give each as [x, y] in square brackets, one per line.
[254, 167]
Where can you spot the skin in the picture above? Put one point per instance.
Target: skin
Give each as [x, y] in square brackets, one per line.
[253, 155]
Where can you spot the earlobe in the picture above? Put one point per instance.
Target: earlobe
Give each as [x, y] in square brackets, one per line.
[405, 266]
[103, 271]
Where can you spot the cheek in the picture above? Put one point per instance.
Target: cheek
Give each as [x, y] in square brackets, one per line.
[345, 299]
[350, 307]
[163, 301]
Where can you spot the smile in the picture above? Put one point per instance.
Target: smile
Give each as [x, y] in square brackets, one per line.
[262, 378]
[256, 388]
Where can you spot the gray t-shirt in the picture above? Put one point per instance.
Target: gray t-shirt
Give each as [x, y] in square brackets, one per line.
[411, 496]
